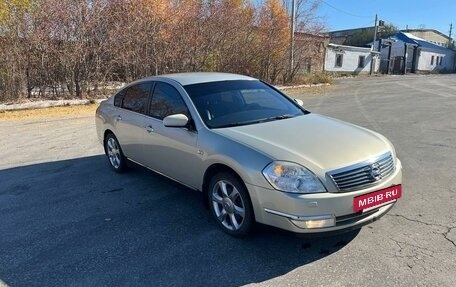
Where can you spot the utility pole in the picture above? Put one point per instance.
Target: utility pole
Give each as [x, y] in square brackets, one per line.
[450, 42]
[375, 33]
[292, 38]
[373, 44]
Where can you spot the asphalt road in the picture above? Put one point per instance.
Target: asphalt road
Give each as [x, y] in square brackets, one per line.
[67, 220]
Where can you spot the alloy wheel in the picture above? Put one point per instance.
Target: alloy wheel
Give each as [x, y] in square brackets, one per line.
[114, 154]
[228, 204]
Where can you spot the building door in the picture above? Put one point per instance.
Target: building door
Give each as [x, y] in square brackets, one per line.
[397, 64]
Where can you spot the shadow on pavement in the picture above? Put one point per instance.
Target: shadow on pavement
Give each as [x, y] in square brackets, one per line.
[75, 222]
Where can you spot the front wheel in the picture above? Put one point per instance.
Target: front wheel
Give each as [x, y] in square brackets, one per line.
[115, 155]
[230, 204]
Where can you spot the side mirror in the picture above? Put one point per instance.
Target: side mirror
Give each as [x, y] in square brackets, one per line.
[299, 102]
[175, 121]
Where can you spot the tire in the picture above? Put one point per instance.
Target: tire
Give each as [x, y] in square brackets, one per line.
[116, 158]
[230, 204]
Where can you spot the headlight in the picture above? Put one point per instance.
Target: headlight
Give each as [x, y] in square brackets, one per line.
[291, 177]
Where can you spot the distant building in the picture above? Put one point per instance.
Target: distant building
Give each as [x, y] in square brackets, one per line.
[430, 35]
[341, 36]
[405, 53]
[310, 51]
[349, 59]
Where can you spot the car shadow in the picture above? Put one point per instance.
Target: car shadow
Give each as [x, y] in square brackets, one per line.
[76, 222]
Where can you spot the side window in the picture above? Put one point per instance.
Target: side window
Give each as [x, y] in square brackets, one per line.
[135, 98]
[166, 101]
[118, 98]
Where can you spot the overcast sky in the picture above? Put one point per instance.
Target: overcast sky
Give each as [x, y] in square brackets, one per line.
[347, 14]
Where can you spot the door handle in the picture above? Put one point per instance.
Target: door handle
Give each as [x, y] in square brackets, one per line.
[118, 118]
[150, 129]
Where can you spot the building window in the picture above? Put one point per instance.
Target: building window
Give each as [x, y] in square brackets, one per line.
[339, 60]
[437, 60]
[361, 61]
[441, 58]
[432, 60]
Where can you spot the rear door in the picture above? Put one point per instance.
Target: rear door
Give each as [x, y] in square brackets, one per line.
[171, 151]
[129, 120]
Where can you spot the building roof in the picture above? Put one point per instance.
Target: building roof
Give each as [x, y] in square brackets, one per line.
[346, 32]
[414, 40]
[351, 48]
[426, 30]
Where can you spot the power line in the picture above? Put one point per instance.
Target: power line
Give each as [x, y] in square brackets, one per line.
[345, 12]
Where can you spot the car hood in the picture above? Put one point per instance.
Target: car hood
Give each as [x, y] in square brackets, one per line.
[312, 140]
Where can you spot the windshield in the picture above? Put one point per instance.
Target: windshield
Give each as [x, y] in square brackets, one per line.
[241, 102]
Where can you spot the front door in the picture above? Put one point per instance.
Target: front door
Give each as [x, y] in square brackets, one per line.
[171, 151]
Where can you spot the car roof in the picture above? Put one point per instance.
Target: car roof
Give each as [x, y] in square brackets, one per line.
[200, 77]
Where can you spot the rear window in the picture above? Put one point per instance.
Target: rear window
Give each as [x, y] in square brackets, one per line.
[134, 98]
[118, 98]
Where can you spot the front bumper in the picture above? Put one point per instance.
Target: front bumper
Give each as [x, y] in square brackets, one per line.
[286, 210]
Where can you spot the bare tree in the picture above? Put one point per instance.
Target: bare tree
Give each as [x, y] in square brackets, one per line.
[71, 48]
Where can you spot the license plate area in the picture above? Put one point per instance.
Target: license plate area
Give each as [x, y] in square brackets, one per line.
[377, 198]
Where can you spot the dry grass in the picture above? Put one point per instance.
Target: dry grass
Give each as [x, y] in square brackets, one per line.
[46, 113]
[307, 91]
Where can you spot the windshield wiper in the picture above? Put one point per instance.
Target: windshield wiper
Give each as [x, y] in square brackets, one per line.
[239, 124]
[280, 117]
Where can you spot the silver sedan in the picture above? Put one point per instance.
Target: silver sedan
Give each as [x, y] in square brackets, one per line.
[256, 154]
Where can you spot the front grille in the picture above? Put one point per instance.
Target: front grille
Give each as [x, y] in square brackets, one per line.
[363, 174]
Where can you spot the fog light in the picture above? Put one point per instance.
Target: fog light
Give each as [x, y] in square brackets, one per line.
[317, 222]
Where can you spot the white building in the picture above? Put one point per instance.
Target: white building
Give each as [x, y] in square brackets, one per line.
[349, 59]
[419, 55]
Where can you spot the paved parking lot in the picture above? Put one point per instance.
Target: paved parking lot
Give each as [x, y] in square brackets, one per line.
[67, 220]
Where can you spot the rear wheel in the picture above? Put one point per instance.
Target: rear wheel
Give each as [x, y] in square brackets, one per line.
[230, 204]
[114, 153]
